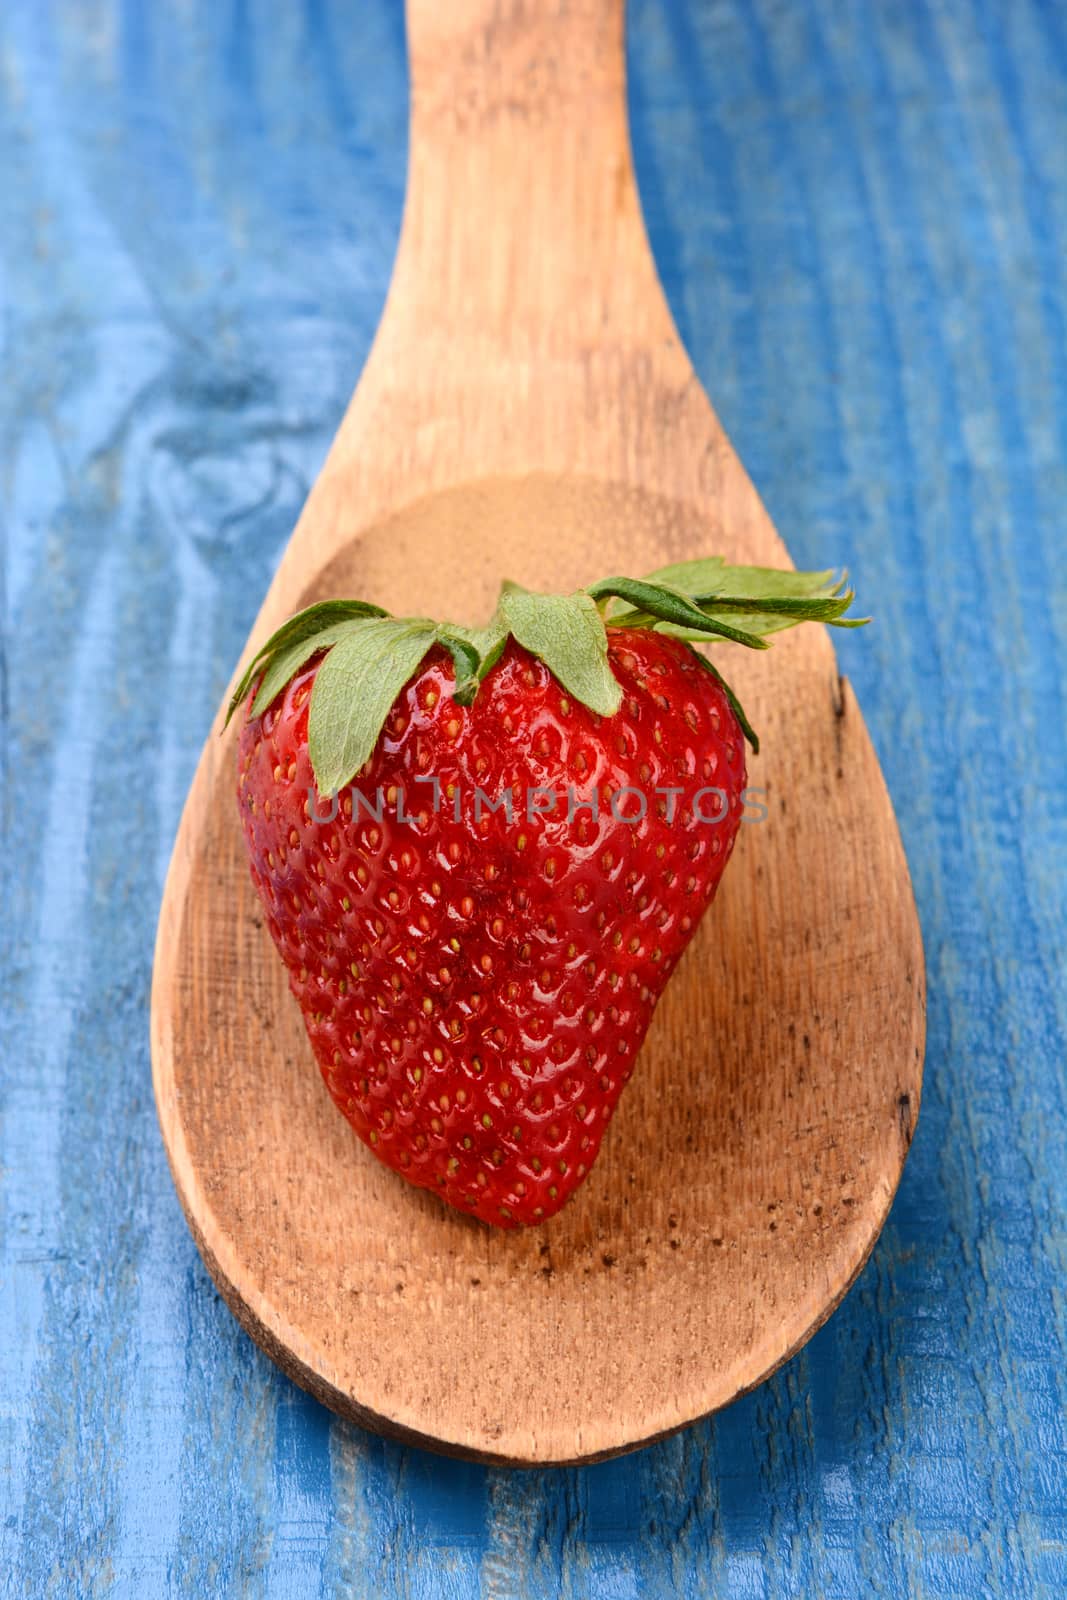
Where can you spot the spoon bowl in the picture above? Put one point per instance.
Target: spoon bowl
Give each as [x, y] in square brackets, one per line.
[528, 413]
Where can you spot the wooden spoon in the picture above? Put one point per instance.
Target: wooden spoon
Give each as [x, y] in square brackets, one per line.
[528, 411]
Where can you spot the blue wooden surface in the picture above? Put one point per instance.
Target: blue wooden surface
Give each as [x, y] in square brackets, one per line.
[859, 208]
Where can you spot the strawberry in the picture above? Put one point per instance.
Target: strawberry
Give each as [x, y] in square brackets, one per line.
[482, 852]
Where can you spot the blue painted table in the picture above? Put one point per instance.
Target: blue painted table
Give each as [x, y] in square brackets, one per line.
[859, 208]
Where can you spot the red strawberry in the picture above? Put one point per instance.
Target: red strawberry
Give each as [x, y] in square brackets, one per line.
[476, 950]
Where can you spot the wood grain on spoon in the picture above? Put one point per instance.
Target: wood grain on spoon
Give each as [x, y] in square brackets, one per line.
[528, 411]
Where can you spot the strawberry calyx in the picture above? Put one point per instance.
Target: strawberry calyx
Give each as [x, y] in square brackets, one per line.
[369, 655]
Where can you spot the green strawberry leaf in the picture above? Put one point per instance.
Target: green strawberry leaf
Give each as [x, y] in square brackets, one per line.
[735, 705]
[284, 666]
[566, 631]
[768, 599]
[354, 690]
[487, 645]
[304, 625]
[704, 579]
[466, 662]
[655, 603]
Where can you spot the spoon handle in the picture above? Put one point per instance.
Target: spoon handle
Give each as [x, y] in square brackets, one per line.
[525, 327]
[522, 229]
